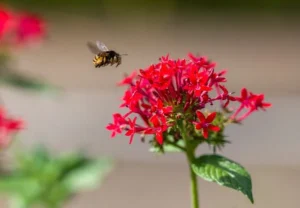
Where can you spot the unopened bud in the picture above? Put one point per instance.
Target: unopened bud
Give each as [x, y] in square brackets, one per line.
[178, 115]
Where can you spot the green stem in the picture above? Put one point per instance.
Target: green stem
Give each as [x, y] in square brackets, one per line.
[193, 181]
[176, 145]
[190, 153]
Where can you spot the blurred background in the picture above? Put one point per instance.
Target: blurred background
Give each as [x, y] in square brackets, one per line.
[258, 42]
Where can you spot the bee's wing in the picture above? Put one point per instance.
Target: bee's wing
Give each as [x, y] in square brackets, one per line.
[101, 46]
[93, 48]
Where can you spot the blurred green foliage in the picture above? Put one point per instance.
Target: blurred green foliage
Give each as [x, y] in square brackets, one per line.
[184, 6]
[18, 80]
[42, 179]
[25, 82]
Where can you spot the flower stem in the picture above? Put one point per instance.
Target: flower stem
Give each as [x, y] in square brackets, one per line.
[193, 182]
[190, 154]
[176, 145]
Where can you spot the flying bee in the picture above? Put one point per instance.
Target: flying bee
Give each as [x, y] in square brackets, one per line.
[104, 56]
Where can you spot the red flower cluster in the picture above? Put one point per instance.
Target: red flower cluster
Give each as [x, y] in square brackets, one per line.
[19, 28]
[173, 90]
[8, 126]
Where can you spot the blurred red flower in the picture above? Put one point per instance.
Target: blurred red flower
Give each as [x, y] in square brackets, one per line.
[29, 27]
[18, 28]
[6, 22]
[8, 127]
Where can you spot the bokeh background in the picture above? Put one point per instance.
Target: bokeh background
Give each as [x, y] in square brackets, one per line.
[257, 41]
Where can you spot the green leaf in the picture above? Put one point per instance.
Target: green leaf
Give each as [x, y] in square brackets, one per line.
[21, 81]
[32, 162]
[42, 178]
[20, 186]
[56, 196]
[88, 175]
[225, 172]
[18, 202]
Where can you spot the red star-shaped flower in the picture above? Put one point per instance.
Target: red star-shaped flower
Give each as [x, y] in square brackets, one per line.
[205, 123]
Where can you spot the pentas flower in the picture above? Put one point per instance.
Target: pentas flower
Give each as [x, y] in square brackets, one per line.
[173, 96]
[205, 123]
[8, 127]
[251, 102]
[116, 126]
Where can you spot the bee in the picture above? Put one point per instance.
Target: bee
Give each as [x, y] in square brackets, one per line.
[104, 56]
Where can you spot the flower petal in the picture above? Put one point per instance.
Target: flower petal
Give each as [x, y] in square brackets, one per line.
[223, 88]
[267, 104]
[214, 128]
[159, 137]
[167, 109]
[154, 120]
[205, 133]
[244, 93]
[197, 125]
[200, 116]
[205, 88]
[131, 139]
[211, 117]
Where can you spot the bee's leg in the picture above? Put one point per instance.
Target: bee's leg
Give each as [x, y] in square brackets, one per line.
[118, 61]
